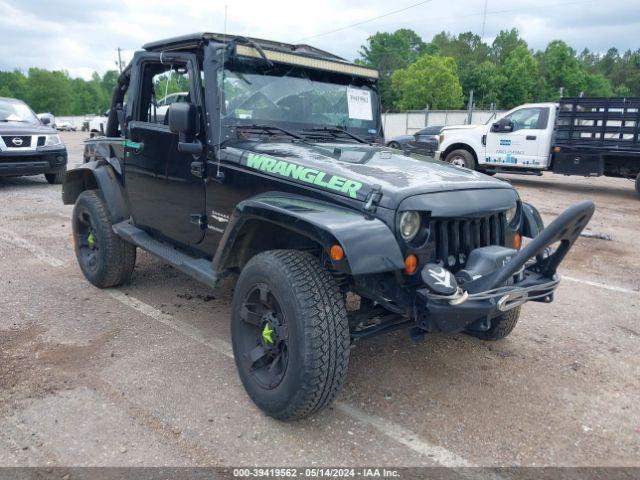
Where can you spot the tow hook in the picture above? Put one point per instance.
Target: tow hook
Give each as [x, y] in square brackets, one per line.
[512, 300]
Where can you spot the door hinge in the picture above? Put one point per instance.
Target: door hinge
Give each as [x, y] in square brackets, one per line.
[197, 169]
[199, 219]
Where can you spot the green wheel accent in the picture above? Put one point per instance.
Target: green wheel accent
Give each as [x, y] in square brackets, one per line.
[91, 240]
[267, 334]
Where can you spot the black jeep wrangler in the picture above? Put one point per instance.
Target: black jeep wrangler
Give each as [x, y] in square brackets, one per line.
[270, 168]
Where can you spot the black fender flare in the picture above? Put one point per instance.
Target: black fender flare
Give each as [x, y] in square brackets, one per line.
[98, 175]
[369, 245]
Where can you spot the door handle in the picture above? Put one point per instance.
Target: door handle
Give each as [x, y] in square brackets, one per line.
[531, 137]
[197, 169]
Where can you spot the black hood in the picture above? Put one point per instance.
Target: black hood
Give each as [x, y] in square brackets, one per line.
[21, 128]
[399, 176]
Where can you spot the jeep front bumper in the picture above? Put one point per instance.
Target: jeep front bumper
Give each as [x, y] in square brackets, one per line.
[530, 275]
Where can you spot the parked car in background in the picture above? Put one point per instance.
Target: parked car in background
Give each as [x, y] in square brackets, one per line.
[47, 119]
[28, 146]
[164, 103]
[66, 126]
[424, 141]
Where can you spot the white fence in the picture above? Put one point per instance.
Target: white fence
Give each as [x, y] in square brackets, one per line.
[410, 122]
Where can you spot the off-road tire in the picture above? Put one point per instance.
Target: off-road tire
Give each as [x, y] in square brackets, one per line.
[318, 333]
[115, 258]
[461, 156]
[501, 326]
[55, 178]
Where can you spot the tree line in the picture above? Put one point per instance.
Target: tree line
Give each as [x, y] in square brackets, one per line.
[441, 73]
[56, 92]
[414, 74]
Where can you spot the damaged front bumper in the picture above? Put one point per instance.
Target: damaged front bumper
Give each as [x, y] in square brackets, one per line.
[525, 275]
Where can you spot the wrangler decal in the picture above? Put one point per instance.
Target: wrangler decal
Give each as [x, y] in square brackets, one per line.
[303, 174]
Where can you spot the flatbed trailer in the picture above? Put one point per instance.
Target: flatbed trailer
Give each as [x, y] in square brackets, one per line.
[577, 136]
[598, 136]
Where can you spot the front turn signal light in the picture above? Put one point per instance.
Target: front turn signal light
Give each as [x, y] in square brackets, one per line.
[517, 241]
[336, 253]
[411, 264]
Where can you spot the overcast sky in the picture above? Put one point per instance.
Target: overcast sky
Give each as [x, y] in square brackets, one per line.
[82, 36]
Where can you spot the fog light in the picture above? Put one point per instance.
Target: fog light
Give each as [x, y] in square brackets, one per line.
[411, 264]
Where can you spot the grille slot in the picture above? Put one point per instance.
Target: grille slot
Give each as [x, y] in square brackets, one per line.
[17, 141]
[455, 238]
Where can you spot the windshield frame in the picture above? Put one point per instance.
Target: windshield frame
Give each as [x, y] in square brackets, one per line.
[259, 67]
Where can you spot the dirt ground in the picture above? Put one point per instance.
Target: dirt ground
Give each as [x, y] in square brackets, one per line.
[142, 375]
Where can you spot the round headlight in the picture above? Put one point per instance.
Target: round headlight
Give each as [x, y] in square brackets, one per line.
[511, 213]
[409, 225]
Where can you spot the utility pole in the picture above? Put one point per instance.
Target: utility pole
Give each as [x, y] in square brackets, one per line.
[119, 60]
[484, 18]
[470, 108]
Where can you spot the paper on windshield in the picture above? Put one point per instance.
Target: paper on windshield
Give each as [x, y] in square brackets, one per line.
[359, 103]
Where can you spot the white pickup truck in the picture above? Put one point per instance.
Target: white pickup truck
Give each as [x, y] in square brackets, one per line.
[521, 139]
[578, 136]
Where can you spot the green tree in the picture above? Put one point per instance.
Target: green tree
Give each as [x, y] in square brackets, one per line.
[389, 52]
[521, 85]
[49, 91]
[468, 50]
[597, 85]
[487, 82]
[430, 80]
[561, 68]
[13, 84]
[504, 44]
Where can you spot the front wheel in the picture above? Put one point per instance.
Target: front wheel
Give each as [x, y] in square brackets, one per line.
[461, 158]
[104, 258]
[290, 333]
[501, 326]
[55, 178]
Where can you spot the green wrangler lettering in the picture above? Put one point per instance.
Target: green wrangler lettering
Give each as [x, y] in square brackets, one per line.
[304, 174]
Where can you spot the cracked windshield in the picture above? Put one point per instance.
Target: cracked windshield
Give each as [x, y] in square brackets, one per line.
[291, 99]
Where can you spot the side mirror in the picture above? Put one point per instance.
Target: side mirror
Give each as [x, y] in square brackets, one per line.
[182, 120]
[504, 125]
[45, 120]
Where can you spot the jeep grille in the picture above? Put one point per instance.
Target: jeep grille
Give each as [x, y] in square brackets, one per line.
[455, 238]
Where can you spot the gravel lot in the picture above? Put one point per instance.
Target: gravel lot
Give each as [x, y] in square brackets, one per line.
[142, 375]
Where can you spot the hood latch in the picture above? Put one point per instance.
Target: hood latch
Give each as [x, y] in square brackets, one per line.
[373, 199]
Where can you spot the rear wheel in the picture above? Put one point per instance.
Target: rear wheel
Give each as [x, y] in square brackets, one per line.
[55, 178]
[290, 333]
[461, 158]
[395, 145]
[104, 258]
[501, 326]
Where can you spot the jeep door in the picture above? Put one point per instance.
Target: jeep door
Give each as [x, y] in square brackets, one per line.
[165, 197]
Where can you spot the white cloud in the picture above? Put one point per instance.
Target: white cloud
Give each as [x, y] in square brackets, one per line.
[83, 37]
